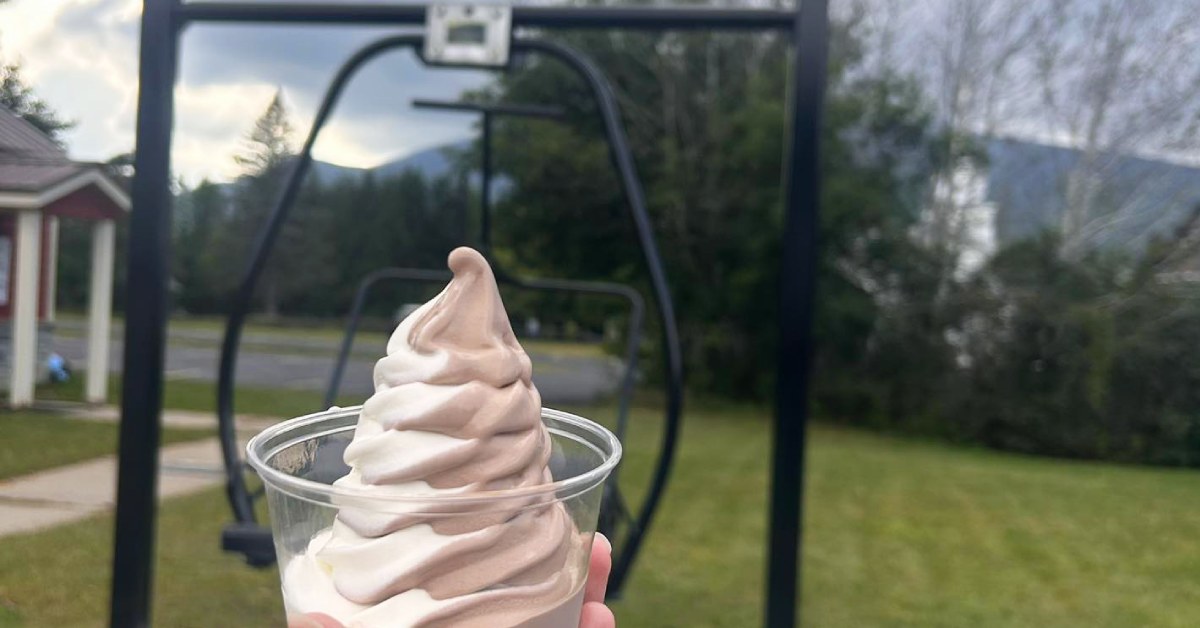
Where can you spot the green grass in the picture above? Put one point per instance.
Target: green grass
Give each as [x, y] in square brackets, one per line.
[899, 533]
[61, 577]
[32, 441]
[182, 394]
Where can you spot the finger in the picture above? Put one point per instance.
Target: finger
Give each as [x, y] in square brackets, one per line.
[598, 568]
[313, 620]
[597, 615]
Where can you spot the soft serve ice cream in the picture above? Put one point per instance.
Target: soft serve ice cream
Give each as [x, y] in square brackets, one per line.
[454, 412]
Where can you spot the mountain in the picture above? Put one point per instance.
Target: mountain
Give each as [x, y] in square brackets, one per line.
[329, 173]
[1028, 182]
[431, 162]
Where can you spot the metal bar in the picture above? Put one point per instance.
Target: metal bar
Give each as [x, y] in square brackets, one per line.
[558, 17]
[798, 274]
[515, 110]
[489, 111]
[485, 186]
[146, 323]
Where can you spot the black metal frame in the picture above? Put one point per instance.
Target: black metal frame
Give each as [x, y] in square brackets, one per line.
[150, 243]
[243, 536]
[487, 115]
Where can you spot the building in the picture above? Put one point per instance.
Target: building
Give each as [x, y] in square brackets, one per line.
[39, 187]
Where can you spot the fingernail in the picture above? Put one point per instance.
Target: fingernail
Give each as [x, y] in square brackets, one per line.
[605, 542]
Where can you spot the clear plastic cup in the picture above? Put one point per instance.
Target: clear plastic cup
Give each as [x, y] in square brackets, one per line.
[298, 461]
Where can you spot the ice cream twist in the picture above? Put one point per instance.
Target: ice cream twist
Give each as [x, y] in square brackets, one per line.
[454, 412]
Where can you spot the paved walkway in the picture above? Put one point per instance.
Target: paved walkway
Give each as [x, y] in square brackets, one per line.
[65, 494]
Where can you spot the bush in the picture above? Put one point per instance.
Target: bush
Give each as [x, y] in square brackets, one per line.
[1086, 359]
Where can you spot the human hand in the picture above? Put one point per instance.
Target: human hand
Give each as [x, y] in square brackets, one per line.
[595, 613]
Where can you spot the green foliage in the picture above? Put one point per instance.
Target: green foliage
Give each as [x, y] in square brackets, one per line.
[17, 96]
[268, 144]
[75, 263]
[335, 234]
[1035, 353]
[1074, 359]
[705, 115]
[199, 279]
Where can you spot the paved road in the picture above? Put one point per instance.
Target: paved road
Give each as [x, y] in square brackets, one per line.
[560, 379]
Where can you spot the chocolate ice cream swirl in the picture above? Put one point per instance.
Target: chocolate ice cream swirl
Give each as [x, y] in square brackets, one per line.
[454, 412]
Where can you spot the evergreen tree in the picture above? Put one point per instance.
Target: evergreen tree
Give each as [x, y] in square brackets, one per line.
[299, 261]
[17, 96]
[269, 144]
[199, 216]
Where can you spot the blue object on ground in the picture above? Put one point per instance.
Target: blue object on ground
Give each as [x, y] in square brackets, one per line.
[57, 365]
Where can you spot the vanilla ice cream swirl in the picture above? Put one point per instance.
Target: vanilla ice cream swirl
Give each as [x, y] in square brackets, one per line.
[454, 412]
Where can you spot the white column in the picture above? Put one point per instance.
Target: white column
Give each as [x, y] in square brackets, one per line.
[51, 285]
[100, 311]
[24, 366]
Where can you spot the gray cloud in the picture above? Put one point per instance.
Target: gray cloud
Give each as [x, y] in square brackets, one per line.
[234, 63]
[303, 62]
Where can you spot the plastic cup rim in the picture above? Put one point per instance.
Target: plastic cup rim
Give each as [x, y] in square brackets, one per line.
[308, 489]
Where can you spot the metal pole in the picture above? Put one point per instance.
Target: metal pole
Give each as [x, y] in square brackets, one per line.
[485, 187]
[802, 197]
[146, 322]
[558, 17]
[503, 109]
[488, 112]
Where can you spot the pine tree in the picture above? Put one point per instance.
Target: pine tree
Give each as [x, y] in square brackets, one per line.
[299, 270]
[17, 96]
[268, 145]
[265, 153]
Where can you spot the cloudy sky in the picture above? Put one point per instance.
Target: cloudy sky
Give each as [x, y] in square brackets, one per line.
[81, 55]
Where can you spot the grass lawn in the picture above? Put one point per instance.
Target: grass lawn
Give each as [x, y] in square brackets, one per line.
[30, 441]
[182, 394]
[900, 533]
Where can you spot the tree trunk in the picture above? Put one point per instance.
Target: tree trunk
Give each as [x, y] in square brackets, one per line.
[271, 298]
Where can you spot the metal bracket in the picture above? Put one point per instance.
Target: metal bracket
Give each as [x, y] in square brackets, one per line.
[468, 34]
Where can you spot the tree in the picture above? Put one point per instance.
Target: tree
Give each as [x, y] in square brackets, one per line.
[20, 98]
[200, 215]
[705, 114]
[268, 145]
[1125, 83]
[299, 261]
[969, 54]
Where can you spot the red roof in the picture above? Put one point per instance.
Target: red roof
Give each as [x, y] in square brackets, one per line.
[31, 163]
